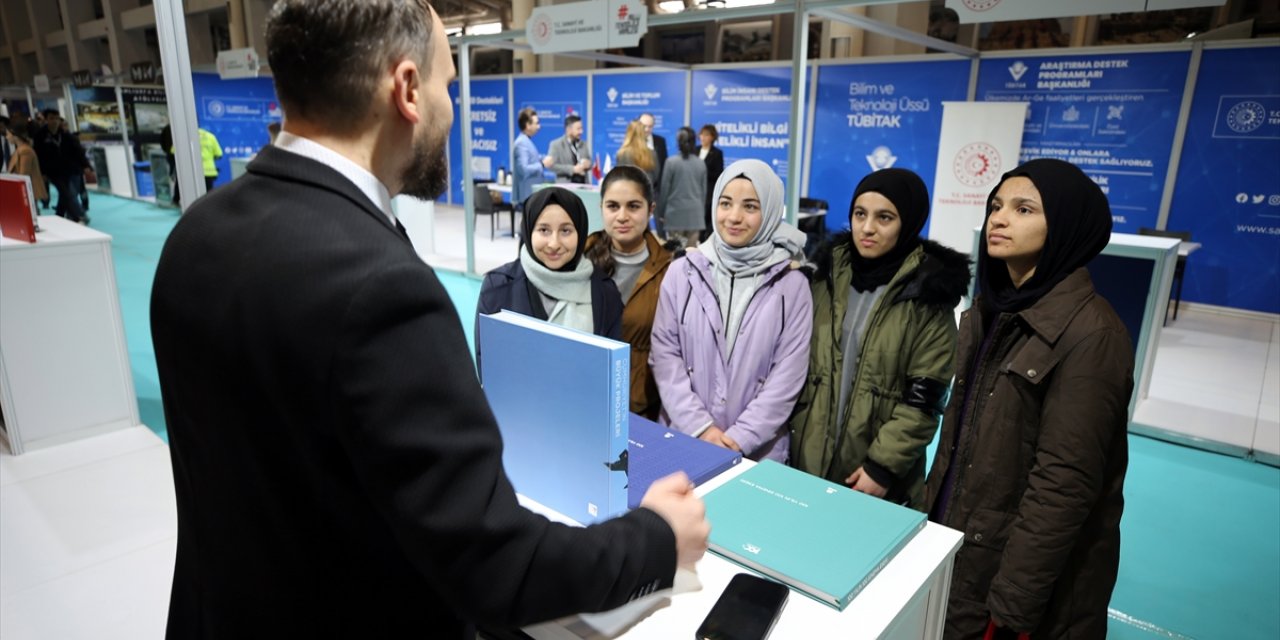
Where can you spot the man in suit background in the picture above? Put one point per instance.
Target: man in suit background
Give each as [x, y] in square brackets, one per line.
[570, 154]
[659, 146]
[338, 471]
[527, 172]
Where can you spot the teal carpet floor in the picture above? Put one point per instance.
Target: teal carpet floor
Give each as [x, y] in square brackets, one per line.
[1201, 531]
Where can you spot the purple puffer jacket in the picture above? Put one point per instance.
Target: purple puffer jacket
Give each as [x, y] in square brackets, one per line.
[752, 395]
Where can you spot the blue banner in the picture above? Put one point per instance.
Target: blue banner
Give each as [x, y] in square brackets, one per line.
[1113, 115]
[237, 113]
[617, 99]
[876, 116]
[751, 110]
[553, 98]
[1228, 188]
[491, 133]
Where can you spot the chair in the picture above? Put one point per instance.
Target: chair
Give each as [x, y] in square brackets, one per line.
[1184, 236]
[485, 206]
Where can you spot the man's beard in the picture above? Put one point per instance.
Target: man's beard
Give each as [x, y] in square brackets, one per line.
[427, 175]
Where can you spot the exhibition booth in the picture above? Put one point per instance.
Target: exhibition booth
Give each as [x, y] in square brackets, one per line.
[1181, 137]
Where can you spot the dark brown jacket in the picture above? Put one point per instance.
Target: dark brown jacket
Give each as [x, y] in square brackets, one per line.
[1040, 458]
[637, 322]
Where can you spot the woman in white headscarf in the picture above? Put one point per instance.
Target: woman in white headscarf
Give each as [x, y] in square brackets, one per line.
[731, 336]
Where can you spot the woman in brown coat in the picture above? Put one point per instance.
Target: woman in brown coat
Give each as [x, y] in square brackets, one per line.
[630, 254]
[24, 162]
[1033, 451]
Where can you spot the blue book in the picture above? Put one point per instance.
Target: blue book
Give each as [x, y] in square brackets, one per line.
[561, 398]
[822, 539]
[657, 451]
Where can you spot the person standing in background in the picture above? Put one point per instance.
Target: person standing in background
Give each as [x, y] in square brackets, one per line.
[528, 165]
[6, 147]
[683, 192]
[24, 162]
[570, 154]
[210, 153]
[634, 153]
[61, 159]
[713, 157]
[166, 143]
[658, 145]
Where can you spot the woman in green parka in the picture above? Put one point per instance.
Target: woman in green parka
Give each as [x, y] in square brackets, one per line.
[884, 336]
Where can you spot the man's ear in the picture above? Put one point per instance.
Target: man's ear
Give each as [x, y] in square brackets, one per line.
[407, 90]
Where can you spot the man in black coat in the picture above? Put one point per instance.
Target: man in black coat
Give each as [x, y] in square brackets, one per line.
[337, 468]
[62, 161]
[659, 146]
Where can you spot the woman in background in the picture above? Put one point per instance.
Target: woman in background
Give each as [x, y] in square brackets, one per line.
[24, 162]
[1032, 457]
[884, 334]
[550, 280]
[731, 337]
[635, 152]
[683, 191]
[713, 157]
[629, 253]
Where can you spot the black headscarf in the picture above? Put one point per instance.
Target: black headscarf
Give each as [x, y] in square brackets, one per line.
[567, 200]
[1079, 227]
[908, 194]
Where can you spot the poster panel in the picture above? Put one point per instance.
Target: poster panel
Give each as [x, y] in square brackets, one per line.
[617, 99]
[1113, 115]
[553, 98]
[877, 116]
[1227, 192]
[751, 110]
[237, 112]
[979, 143]
[491, 133]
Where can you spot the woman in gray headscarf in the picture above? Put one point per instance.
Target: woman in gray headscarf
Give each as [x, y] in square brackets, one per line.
[731, 336]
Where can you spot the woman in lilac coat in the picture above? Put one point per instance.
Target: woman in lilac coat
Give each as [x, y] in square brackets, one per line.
[731, 337]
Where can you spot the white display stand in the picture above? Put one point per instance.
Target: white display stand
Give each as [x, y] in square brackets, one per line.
[119, 169]
[64, 364]
[908, 599]
[239, 166]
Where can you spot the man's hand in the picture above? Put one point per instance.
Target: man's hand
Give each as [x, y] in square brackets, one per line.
[672, 498]
[547, 162]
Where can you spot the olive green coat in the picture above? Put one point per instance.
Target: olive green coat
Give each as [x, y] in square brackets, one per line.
[900, 386]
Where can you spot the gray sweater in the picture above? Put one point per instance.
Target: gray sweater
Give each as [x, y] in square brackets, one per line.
[682, 198]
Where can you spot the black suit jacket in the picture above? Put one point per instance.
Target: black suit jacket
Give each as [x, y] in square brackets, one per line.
[660, 150]
[338, 470]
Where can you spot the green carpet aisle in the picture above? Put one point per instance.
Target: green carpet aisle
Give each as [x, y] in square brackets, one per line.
[1201, 531]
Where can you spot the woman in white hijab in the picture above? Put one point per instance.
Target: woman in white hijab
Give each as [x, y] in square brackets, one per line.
[731, 335]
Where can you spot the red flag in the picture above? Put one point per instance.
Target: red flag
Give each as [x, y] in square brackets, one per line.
[595, 168]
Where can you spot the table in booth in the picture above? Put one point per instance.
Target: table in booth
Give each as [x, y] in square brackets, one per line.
[907, 599]
[64, 364]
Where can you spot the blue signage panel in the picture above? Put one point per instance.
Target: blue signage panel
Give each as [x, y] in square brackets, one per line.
[751, 110]
[553, 98]
[1228, 189]
[876, 116]
[491, 134]
[617, 99]
[237, 112]
[1113, 115]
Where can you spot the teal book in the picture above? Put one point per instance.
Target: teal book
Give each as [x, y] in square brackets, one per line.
[822, 539]
[561, 398]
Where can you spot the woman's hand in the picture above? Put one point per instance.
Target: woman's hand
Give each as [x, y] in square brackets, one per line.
[715, 435]
[861, 481]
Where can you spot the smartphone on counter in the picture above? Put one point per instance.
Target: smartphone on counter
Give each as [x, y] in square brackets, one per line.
[747, 610]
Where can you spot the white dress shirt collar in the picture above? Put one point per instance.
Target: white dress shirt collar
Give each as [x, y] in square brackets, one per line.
[366, 182]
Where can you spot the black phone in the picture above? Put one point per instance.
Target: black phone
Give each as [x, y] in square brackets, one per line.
[747, 610]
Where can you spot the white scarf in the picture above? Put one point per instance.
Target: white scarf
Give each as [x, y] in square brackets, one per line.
[571, 290]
